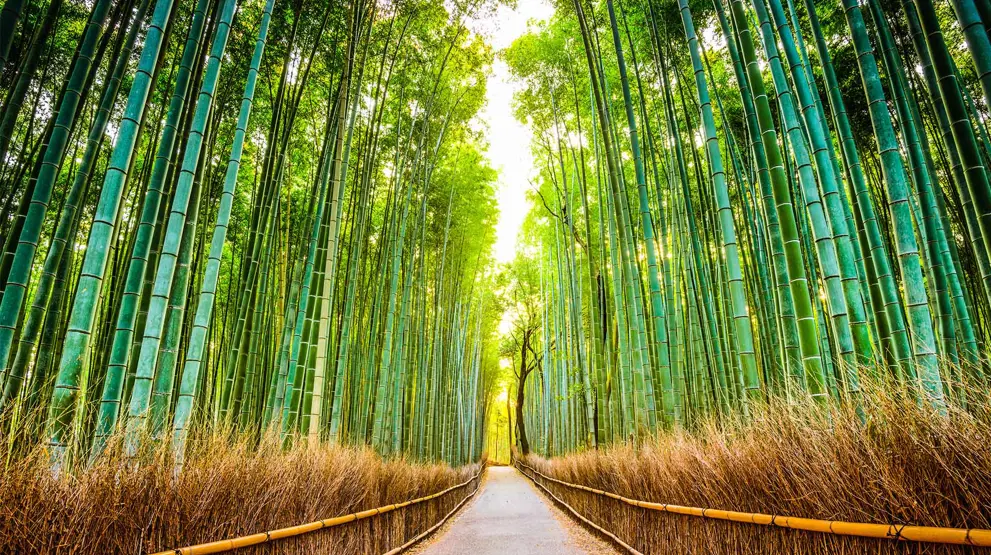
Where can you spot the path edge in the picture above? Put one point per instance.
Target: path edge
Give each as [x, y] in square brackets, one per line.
[580, 518]
[433, 529]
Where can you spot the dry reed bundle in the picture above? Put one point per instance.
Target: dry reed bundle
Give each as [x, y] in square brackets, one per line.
[226, 488]
[892, 462]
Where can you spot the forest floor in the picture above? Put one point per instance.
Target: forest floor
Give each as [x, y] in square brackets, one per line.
[509, 516]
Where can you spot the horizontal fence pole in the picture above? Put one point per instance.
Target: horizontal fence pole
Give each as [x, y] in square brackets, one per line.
[223, 546]
[958, 536]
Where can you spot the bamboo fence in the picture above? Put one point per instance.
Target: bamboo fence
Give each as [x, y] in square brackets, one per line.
[223, 546]
[971, 537]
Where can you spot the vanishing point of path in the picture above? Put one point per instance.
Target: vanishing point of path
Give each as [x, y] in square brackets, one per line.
[509, 517]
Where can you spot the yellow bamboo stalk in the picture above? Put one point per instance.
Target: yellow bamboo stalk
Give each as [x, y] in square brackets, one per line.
[223, 546]
[958, 536]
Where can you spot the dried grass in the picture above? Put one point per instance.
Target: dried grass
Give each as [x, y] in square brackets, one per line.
[895, 462]
[226, 488]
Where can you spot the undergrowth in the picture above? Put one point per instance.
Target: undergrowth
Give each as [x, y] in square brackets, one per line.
[226, 488]
[892, 461]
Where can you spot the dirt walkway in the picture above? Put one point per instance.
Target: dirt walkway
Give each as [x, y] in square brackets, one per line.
[509, 516]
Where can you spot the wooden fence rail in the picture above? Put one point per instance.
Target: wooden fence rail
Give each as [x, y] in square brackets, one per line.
[900, 532]
[231, 544]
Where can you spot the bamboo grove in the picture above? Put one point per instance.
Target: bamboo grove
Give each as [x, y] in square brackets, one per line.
[739, 201]
[254, 216]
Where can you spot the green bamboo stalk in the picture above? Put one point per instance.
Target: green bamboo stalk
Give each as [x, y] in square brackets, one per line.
[74, 361]
[656, 303]
[120, 350]
[162, 288]
[33, 319]
[916, 298]
[798, 281]
[49, 163]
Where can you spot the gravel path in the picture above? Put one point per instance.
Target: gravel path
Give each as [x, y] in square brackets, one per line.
[509, 516]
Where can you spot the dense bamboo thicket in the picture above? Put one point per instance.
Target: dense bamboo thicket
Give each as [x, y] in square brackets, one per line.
[264, 219]
[744, 201]
[907, 466]
[257, 216]
[228, 488]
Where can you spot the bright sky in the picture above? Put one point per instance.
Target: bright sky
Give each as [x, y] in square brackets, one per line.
[509, 140]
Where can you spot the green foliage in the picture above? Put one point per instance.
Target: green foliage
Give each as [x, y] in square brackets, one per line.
[765, 201]
[191, 277]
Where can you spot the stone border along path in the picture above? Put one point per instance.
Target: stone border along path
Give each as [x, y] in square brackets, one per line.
[510, 517]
